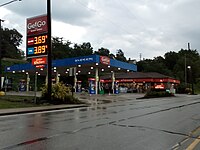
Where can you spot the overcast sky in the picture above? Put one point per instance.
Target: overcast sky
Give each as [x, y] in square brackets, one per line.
[149, 27]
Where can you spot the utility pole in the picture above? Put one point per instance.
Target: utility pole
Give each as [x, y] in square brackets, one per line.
[49, 49]
[0, 51]
[185, 71]
[188, 46]
[140, 56]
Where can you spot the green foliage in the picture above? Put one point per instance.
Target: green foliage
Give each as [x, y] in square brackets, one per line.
[14, 101]
[154, 94]
[82, 50]
[173, 64]
[11, 39]
[103, 52]
[155, 65]
[120, 56]
[60, 94]
[62, 49]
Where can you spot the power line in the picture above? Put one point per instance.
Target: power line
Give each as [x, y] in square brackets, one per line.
[104, 17]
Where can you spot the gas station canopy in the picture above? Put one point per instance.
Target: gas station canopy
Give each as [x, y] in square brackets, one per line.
[83, 65]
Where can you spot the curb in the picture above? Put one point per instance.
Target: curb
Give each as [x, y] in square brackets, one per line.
[5, 112]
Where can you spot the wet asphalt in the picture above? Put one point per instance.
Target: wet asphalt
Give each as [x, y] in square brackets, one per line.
[123, 123]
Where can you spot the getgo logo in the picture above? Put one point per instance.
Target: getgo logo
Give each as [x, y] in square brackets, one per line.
[36, 24]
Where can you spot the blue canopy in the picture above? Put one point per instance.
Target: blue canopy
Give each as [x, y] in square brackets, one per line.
[91, 60]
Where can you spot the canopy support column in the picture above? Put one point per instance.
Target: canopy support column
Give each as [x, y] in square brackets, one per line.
[113, 82]
[57, 77]
[96, 80]
[27, 82]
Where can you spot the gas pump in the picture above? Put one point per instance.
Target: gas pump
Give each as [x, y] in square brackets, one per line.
[78, 86]
[22, 85]
[116, 87]
[92, 87]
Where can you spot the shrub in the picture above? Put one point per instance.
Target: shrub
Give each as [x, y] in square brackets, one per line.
[60, 94]
[152, 94]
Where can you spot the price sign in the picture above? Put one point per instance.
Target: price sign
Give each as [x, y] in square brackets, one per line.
[37, 45]
[37, 37]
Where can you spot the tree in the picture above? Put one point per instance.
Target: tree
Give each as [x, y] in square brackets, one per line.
[173, 64]
[188, 58]
[61, 49]
[120, 56]
[171, 59]
[103, 51]
[11, 40]
[82, 50]
[153, 65]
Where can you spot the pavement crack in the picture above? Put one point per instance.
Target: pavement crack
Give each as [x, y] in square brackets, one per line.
[158, 111]
[160, 130]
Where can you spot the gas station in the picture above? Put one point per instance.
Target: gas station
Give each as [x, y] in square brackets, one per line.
[92, 65]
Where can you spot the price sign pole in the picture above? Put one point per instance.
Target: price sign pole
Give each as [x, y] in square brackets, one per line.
[49, 49]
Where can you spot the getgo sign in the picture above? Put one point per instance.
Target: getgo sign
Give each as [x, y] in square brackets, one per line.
[37, 25]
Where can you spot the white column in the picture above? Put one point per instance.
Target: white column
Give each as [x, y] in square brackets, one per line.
[57, 77]
[2, 80]
[75, 81]
[75, 78]
[27, 82]
[113, 82]
[35, 87]
[46, 80]
[96, 80]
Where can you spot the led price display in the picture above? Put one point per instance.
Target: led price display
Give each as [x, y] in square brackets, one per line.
[37, 45]
[40, 39]
[40, 49]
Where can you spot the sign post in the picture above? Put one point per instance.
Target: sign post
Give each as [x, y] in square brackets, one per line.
[49, 51]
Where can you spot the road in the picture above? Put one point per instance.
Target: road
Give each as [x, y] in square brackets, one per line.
[140, 124]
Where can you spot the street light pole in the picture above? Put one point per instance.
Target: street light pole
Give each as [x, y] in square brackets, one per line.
[191, 79]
